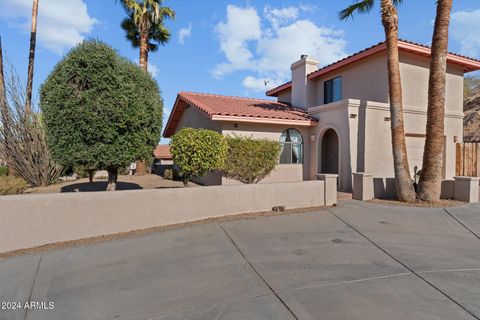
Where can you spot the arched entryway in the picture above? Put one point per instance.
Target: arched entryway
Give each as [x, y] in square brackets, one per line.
[329, 152]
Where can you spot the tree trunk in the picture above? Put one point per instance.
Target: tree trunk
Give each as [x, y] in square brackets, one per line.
[143, 49]
[403, 181]
[31, 57]
[431, 178]
[141, 167]
[112, 179]
[91, 174]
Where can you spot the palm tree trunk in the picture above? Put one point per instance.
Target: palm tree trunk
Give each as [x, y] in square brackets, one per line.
[403, 181]
[143, 49]
[141, 167]
[431, 178]
[31, 57]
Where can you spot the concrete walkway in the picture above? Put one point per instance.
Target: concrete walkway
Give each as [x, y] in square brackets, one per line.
[356, 261]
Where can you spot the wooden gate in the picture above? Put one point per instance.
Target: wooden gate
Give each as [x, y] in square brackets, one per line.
[468, 159]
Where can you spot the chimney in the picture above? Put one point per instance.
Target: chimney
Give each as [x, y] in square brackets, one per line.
[300, 70]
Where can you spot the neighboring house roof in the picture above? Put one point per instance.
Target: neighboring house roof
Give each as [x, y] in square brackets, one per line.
[237, 109]
[468, 64]
[162, 151]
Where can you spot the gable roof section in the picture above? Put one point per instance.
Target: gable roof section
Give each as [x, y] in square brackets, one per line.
[468, 64]
[238, 109]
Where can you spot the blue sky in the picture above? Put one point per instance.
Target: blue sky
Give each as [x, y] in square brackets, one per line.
[225, 47]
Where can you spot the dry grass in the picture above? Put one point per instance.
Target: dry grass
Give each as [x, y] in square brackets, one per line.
[12, 185]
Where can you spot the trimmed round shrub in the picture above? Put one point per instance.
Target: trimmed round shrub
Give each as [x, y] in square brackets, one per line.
[101, 111]
[250, 160]
[197, 151]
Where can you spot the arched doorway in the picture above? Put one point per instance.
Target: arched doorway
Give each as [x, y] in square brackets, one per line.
[329, 151]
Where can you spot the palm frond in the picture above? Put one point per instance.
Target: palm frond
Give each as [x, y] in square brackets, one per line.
[361, 6]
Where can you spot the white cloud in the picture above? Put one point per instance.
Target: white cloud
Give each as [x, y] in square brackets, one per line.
[260, 84]
[184, 33]
[464, 29]
[61, 24]
[268, 47]
[241, 27]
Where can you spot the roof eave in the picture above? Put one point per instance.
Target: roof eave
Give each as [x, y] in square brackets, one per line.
[290, 122]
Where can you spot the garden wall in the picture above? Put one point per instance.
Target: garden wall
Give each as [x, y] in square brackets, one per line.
[33, 220]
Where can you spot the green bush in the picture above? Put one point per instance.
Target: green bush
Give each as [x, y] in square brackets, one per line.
[12, 185]
[3, 171]
[168, 174]
[250, 160]
[101, 111]
[197, 151]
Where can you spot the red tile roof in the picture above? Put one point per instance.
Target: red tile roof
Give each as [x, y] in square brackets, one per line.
[238, 109]
[469, 64]
[162, 151]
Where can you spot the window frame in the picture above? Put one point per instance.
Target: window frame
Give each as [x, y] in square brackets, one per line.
[326, 90]
[291, 145]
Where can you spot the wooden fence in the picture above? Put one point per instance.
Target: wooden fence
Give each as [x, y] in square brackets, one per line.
[468, 159]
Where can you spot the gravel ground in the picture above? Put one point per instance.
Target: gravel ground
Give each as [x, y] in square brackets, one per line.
[443, 203]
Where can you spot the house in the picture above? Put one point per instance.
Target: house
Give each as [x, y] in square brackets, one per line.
[162, 159]
[336, 119]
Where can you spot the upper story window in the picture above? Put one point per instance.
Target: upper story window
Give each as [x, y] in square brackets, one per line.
[332, 90]
[291, 147]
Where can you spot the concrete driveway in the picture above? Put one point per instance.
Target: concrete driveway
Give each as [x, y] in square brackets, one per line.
[356, 261]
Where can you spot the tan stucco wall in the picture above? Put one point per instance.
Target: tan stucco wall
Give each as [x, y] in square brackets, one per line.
[34, 220]
[365, 140]
[273, 132]
[414, 71]
[366, 79]
[285, 96]
[194, 118]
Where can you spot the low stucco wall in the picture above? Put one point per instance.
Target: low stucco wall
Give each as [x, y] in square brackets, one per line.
[33, 220]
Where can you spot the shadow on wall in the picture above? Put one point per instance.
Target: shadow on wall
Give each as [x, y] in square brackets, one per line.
[384, 188]
[98, 186]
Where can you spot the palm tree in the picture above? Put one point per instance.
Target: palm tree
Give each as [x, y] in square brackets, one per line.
[429, 186]
[157, 34]
[31, 57]
[145, 23]
[403, 180]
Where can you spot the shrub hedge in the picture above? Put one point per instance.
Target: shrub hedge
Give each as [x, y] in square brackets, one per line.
[197, 151]
[250, 160]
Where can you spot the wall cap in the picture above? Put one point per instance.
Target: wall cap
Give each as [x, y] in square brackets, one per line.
[463, 178]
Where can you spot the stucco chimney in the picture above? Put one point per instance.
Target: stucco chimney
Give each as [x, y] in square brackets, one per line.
[300, 70]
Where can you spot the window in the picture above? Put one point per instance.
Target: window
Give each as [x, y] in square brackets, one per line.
[332, 90]
[291, 147]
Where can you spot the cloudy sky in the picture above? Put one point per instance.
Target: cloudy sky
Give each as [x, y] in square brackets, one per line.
[225, 47]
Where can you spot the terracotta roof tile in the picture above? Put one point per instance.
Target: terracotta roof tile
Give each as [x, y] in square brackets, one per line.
[162, 151]
[213, 104]
[220, 107]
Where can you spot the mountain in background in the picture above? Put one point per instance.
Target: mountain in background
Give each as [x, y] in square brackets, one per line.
[471, 108]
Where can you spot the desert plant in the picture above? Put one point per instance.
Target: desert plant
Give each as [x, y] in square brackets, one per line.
[12, 185]
[197, 151]
[101, 111]
[168, 174]
[22, 135]
[250, 160]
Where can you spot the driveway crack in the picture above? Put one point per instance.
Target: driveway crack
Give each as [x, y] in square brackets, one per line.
[461, 223]
[33, 285]
[404, 265]
[258, 273]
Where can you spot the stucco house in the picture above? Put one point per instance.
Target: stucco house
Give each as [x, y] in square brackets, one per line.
[335, 119]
